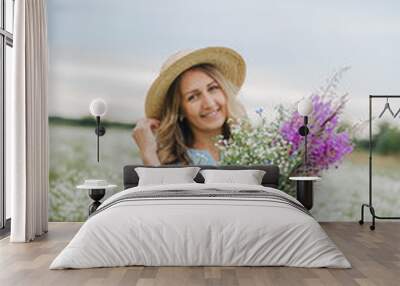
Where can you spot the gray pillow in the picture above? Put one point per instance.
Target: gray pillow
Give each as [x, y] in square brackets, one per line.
[163, 176]
[248, 177]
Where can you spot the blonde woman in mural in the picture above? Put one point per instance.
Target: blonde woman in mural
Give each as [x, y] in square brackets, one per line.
[188, 105]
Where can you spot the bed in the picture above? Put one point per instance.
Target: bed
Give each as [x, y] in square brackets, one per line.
[198, 224]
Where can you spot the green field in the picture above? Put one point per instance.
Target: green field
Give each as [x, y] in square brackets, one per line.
[73, 159]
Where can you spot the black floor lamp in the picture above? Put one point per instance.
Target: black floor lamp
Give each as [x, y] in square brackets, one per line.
[98, 108]
[304, 190]
[305, 108]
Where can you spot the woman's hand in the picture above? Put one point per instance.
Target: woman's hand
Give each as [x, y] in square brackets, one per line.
[143, 135]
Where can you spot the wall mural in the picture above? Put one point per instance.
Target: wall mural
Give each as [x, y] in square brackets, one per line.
[218, 83]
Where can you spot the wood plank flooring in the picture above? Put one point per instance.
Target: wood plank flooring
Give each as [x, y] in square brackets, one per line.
[375, 257]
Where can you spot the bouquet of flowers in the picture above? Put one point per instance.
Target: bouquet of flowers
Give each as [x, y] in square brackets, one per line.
[279, 142]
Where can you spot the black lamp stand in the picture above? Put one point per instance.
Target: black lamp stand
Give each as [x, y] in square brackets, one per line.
[304, 191]
[100, 131]
[96, 195]
[303, 131]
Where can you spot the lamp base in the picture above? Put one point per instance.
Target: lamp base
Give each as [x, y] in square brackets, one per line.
[304, 193]
[96, 195]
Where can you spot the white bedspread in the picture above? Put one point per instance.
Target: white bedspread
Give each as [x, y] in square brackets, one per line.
[200, 231]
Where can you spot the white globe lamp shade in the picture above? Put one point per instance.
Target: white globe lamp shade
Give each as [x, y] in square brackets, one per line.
[305, 107]
[98, 107]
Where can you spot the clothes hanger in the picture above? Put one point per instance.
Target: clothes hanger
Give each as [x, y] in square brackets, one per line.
[397, 113]
[387, 106]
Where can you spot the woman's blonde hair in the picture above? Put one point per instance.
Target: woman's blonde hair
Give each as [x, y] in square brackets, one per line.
[174, 135]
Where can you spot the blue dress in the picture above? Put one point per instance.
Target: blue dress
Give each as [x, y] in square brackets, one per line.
[201, 157]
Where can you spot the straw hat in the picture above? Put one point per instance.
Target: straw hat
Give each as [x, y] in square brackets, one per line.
[226, 60]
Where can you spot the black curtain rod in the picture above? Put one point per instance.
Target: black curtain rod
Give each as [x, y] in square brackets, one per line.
[384, 96]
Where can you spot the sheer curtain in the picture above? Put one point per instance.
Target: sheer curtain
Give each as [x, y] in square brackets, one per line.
[27, 123]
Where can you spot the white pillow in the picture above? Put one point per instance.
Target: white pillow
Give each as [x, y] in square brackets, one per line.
[163, 176]
[249, 177]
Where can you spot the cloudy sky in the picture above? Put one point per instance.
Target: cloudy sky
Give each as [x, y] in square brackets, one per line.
[114, 49]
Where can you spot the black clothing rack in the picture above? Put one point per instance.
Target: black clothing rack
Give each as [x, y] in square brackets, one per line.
[370, 206]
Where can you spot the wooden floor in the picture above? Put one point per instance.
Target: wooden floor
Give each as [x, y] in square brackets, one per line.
[374, 255]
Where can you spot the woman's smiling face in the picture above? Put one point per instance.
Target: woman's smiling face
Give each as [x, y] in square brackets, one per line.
[203, 102]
